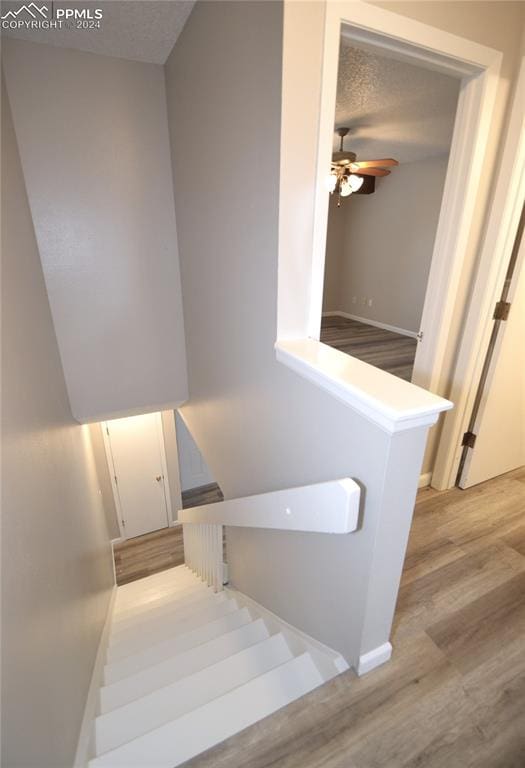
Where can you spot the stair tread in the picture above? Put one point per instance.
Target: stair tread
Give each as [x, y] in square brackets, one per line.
[140, 640]
[208, 725]
[161, 591]
[183, 664]
[165, 619]
[157, 581]
[166, 608]
[174, 700]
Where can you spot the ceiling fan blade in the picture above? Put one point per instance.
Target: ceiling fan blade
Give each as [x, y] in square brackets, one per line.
[371, 171]
[374, 163]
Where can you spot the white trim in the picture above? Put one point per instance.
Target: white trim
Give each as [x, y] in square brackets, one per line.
[497, 246]
[424, 480]
[330, 507]
[373, 659]
[175, 524]
[302, 251]
[164, 465]
[386, 400]
[118, 540]
[114, 486]
[85, 744]
[328, 661]
[375, 323]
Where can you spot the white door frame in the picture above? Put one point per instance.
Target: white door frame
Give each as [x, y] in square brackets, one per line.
[112, 473]
[477, 66]
[494, 258]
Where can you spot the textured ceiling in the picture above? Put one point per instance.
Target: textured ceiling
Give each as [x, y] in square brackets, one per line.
[144, 30]
[393, 109]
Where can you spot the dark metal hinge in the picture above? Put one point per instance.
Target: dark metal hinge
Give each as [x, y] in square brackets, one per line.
[469, 439]
[501, 310]
[115, 478]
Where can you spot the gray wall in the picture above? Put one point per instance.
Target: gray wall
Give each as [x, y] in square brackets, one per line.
[379, 246]
[259, 426]
[56, 559]
[94, 146]
[194, 472]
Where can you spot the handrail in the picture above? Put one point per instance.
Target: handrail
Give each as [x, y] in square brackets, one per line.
[329, 507]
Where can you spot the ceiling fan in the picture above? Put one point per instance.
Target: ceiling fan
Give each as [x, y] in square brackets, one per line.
[347, 172]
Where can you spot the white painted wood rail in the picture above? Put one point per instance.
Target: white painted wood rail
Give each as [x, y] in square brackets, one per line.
[330, 507]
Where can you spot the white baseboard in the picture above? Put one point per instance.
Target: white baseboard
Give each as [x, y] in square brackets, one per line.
[85, 745]
[375, 323]
[424, 480]
[175, 524]
[373, 659]
[118, 540]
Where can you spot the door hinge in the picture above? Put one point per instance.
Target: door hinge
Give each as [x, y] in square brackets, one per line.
[501, 310]
[107, 431]
[123, 523]
[469, 439]
[116, 480]
[419, 336]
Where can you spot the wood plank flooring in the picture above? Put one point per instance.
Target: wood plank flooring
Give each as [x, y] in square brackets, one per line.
[389, 351]
[159, 550]
[453, 695]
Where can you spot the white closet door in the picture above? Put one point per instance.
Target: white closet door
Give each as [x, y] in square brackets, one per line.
[137, 455]
[500, 426]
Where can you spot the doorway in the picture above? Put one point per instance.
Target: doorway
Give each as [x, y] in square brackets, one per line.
[136, 459]
[393, 127]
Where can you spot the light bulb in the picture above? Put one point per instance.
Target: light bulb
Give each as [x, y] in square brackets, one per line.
[345, 189]
[356, 182]
[331, 182]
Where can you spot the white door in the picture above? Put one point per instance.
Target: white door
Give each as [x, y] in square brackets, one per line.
[500, 424]
[135, 448]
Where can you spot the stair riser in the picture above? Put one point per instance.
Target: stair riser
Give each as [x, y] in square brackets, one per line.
[173, 701]
[179, 667]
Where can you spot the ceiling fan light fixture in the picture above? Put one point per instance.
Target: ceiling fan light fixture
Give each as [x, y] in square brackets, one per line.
[355, 182]
[345, 188]
[331, 182]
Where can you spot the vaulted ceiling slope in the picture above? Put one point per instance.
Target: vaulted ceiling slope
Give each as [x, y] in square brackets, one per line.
[142, 30]
[393, 109]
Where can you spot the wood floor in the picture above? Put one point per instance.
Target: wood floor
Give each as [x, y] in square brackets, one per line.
[386, 350]
[157, 551]
[453, 695]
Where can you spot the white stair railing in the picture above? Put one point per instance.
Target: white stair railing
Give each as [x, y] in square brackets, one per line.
[203, 552]
[331, 507]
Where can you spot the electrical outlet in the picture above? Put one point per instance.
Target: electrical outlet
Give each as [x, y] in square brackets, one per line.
[354, 299]
[369, 302]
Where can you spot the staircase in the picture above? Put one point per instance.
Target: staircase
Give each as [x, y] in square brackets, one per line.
[187, 667]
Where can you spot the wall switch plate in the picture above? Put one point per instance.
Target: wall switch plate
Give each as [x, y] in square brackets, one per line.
[369, 302]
